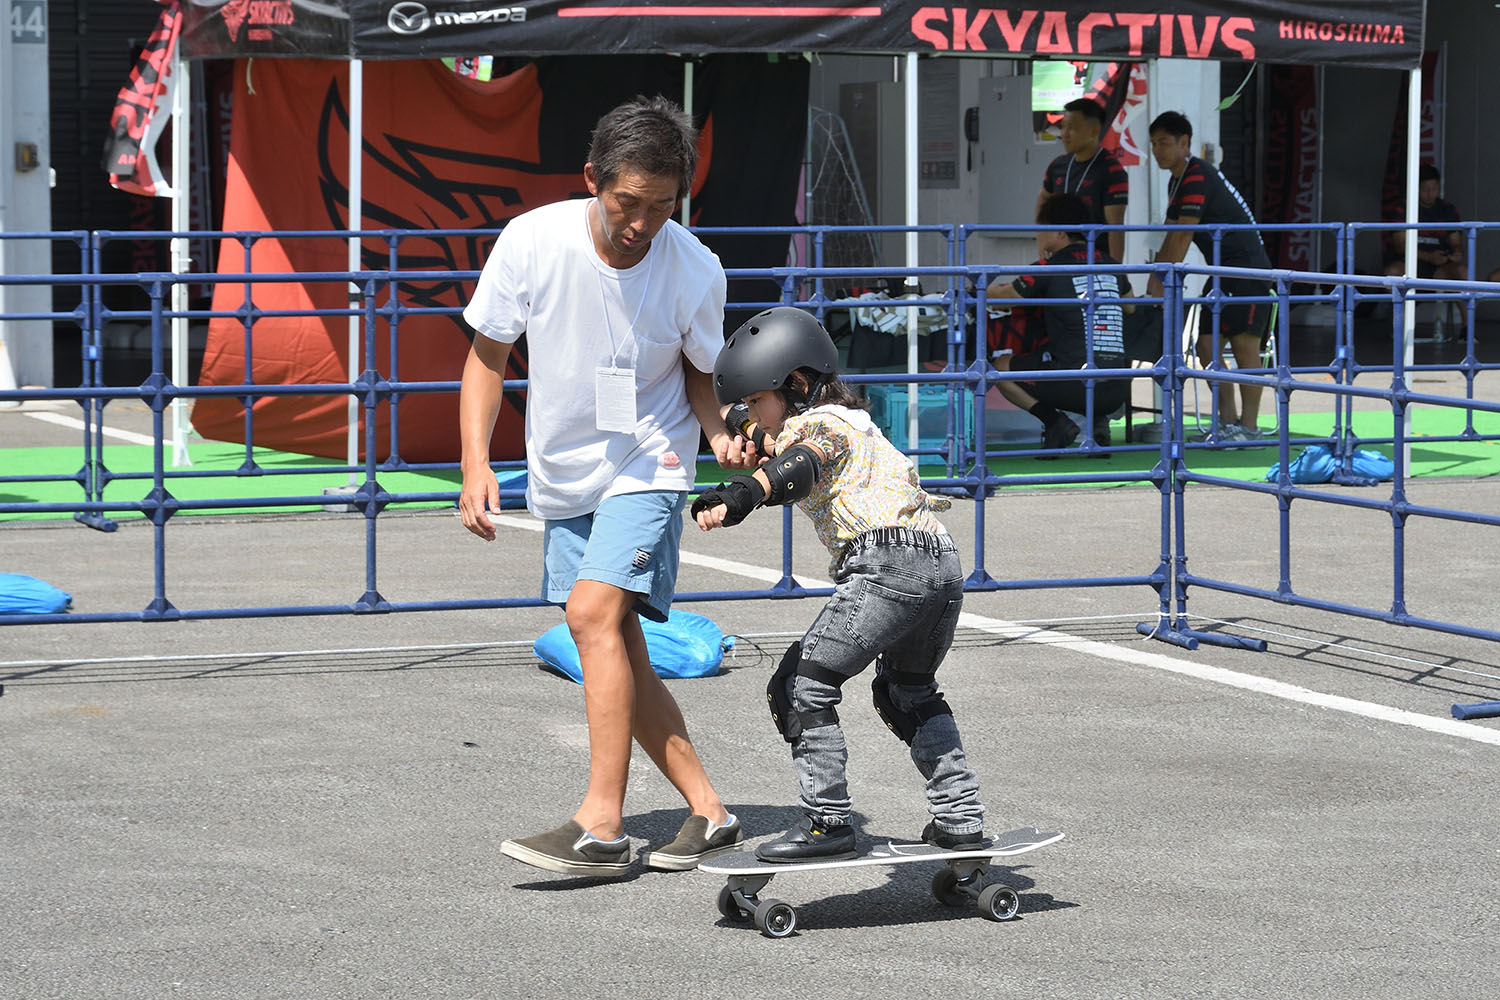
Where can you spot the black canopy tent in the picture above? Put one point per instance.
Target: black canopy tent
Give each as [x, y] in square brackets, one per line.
[1385, 34]
[1377, 33]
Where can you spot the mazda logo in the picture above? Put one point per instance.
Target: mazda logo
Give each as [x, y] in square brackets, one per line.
[408, 18]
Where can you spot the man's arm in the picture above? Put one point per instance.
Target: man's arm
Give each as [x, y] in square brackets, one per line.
[1115, 216]
[1002, 288]
[731, 452]
[479, 397]
[1173, 249]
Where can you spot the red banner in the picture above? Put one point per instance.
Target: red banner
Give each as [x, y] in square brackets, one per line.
[1291, 165]
[1393, 186]
[142, 110]
[424, 127]
[444, 151]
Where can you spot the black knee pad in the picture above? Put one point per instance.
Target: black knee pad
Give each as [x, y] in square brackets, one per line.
[779, 694]
[789, 721]
[903, 723]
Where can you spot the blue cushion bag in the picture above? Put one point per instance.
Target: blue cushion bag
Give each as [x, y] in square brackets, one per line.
[1316, 464]
[685, 645]
[26, 595]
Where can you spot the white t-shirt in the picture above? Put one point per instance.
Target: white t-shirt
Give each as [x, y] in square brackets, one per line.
[545, 279]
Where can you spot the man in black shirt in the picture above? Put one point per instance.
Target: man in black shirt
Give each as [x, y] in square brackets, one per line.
[1198, 194]
[1069, 330]
[1440, 252]
[1091, 172]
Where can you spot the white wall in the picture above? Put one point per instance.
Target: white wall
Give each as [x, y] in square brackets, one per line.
[25, 196]
[1189, 86]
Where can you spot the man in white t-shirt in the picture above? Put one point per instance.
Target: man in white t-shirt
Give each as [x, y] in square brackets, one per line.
[624, 315]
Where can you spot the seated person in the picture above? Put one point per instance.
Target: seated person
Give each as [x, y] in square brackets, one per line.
[1046, 338]
[1440, 252]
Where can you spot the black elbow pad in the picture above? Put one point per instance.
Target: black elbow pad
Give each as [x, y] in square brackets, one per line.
[792, 475]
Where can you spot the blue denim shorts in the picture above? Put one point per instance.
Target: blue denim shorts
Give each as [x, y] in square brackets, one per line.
[631, 541]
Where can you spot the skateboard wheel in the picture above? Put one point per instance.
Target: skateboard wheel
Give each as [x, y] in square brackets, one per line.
[775, 919]
[730, 907]
[945, 888]
[999, 902]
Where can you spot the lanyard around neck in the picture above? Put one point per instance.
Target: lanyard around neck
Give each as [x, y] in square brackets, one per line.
[609, 327]
[1068, 176]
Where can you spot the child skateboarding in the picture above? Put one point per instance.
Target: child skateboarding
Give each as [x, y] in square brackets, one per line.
[898, 581]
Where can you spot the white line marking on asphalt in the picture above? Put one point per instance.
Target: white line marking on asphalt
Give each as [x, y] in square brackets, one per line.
[1159, 661]
[194, 657]
[1000, 627]
[65, 421]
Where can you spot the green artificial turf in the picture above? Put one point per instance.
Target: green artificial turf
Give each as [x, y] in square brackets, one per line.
[283, 477]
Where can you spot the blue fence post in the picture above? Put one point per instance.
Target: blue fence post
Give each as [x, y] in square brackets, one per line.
[393, 313]
[370, 499]
[248, 314]
[159, 504]
[91, 341]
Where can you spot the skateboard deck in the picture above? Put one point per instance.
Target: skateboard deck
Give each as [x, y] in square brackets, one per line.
[955, 885]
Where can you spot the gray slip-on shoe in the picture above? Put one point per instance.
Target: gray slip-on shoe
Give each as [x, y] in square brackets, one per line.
[570, 850]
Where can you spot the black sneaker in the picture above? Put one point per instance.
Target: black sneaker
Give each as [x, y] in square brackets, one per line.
[1101, 439]
[1058, 433]
[696, 841]
[938, 837]
[570, 850]
[809, 841]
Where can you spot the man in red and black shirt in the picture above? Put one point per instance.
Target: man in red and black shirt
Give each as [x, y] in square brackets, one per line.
[1197, 194]
[1058, 337]
[1091, 172]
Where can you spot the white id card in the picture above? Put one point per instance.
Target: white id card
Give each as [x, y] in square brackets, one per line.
[614, 393]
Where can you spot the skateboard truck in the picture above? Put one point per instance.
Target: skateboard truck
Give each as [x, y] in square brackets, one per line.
[739, 899]
[962, 882]
[959, 882]
[956, 885]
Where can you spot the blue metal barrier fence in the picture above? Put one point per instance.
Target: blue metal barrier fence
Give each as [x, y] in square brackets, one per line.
[961, 463]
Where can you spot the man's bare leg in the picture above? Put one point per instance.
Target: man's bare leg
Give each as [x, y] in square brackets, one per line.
[595, 615]
[1225, 390]
[624, 698]
[1246, 348]
[662, 733]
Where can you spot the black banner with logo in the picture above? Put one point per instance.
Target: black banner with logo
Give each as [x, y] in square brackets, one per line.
[1381, 33]
[1386, 33]
[215, 28]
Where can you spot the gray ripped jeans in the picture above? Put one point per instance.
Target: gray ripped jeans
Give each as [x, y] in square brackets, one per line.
[897, 598]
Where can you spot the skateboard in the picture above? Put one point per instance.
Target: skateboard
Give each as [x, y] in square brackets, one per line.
[954, 885]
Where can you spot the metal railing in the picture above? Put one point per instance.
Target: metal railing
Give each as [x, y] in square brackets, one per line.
[962, 463]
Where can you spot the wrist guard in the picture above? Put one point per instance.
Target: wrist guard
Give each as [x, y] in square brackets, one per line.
[738, 421]
[740, 495]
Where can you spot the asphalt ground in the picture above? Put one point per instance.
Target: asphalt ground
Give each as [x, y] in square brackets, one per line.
[313, 806]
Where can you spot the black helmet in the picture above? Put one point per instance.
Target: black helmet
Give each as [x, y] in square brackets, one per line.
[767, 348]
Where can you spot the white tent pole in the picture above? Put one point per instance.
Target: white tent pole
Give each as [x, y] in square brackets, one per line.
[1413, 215]
[687, 105]
[182, 146]
[356, 195]
[912, 167]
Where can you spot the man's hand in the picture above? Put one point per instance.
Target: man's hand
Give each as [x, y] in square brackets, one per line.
[479, 398]
[479, 498]
[738, 452]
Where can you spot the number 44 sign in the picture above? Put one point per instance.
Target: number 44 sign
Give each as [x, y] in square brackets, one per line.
[28, 22]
